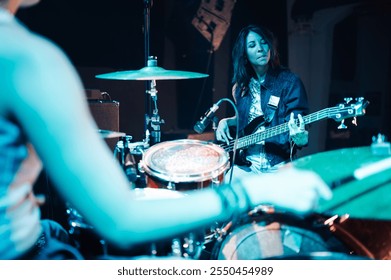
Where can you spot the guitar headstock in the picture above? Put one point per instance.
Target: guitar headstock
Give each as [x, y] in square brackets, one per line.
[351, 108]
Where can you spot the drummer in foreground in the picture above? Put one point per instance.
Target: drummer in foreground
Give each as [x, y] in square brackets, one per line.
[42, 102]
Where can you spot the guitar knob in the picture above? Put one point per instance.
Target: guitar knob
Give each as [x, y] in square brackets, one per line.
[354, 121]
[359, 99]
[342, 125]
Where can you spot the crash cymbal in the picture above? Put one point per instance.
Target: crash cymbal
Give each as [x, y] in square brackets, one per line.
[364, 197]
[110, 134]
[151, 73]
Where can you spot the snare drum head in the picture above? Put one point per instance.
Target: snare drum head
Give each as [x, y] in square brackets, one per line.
[185, 161]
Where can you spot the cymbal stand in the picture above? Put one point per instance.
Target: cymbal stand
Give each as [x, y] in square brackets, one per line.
[154, 121]
[147, 23]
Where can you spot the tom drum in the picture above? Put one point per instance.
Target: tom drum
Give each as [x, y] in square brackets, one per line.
[185, 165]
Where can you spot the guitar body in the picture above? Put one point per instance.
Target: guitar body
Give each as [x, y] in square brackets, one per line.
[251, 128]
[240, 157]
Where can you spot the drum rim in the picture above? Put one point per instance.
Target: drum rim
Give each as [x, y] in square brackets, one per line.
[184, 178]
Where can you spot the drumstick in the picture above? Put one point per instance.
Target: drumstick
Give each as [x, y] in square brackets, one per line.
[363, 172]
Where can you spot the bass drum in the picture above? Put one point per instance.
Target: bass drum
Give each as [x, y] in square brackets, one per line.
[184, 165]
[285, 236]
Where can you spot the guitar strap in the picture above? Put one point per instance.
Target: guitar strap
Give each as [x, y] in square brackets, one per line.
[272, 106]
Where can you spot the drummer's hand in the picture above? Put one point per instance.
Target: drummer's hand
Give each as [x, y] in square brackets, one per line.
[294, 190]
[298, 133]
[222, 132]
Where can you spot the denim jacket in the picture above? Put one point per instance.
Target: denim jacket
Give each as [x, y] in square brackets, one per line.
[289, 88]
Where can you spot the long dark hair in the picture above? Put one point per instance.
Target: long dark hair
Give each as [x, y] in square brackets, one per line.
[241, 68]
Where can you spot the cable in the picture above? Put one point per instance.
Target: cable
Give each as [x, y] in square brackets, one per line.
[235, 142]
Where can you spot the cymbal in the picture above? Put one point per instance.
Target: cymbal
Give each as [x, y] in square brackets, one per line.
[365, 198]
[151, 73]
[110, 134]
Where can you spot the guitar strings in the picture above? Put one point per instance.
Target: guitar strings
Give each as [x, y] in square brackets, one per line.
[262, 135]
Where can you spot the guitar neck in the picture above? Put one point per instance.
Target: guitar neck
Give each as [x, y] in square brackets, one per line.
[257, 137]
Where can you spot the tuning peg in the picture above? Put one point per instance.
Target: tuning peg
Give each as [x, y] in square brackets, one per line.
[359, 99]
[354, 121]
[348, 99]
[342, 125]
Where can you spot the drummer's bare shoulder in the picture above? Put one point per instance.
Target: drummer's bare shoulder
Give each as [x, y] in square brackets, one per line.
[47, 94]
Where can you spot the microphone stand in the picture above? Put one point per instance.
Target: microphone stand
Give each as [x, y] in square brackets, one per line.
[147, 26]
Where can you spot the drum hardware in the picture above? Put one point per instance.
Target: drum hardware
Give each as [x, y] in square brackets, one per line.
[262, 208]
[126, 158]
[126, 151]
[188, 245]
[75, 219]
[153, 121]
[219, 233]
[380, 146]
[110, 134]
[335, 225]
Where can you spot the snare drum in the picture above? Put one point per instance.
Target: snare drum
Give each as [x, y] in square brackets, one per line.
[185, 165]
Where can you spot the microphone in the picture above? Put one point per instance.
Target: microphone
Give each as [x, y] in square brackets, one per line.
[204, 121]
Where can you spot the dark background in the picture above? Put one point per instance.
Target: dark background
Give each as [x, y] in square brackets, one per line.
[101, 37]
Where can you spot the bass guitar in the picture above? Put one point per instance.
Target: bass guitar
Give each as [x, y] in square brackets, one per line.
[349, 109]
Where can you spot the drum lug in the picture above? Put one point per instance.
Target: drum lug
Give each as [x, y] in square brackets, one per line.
[171, 186]
[216, 181]
[176, 248]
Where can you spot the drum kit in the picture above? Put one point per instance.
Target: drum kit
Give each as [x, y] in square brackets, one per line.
[170, 169]
[355, 224]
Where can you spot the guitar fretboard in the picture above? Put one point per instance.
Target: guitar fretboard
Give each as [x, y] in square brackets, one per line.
[257, 137]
